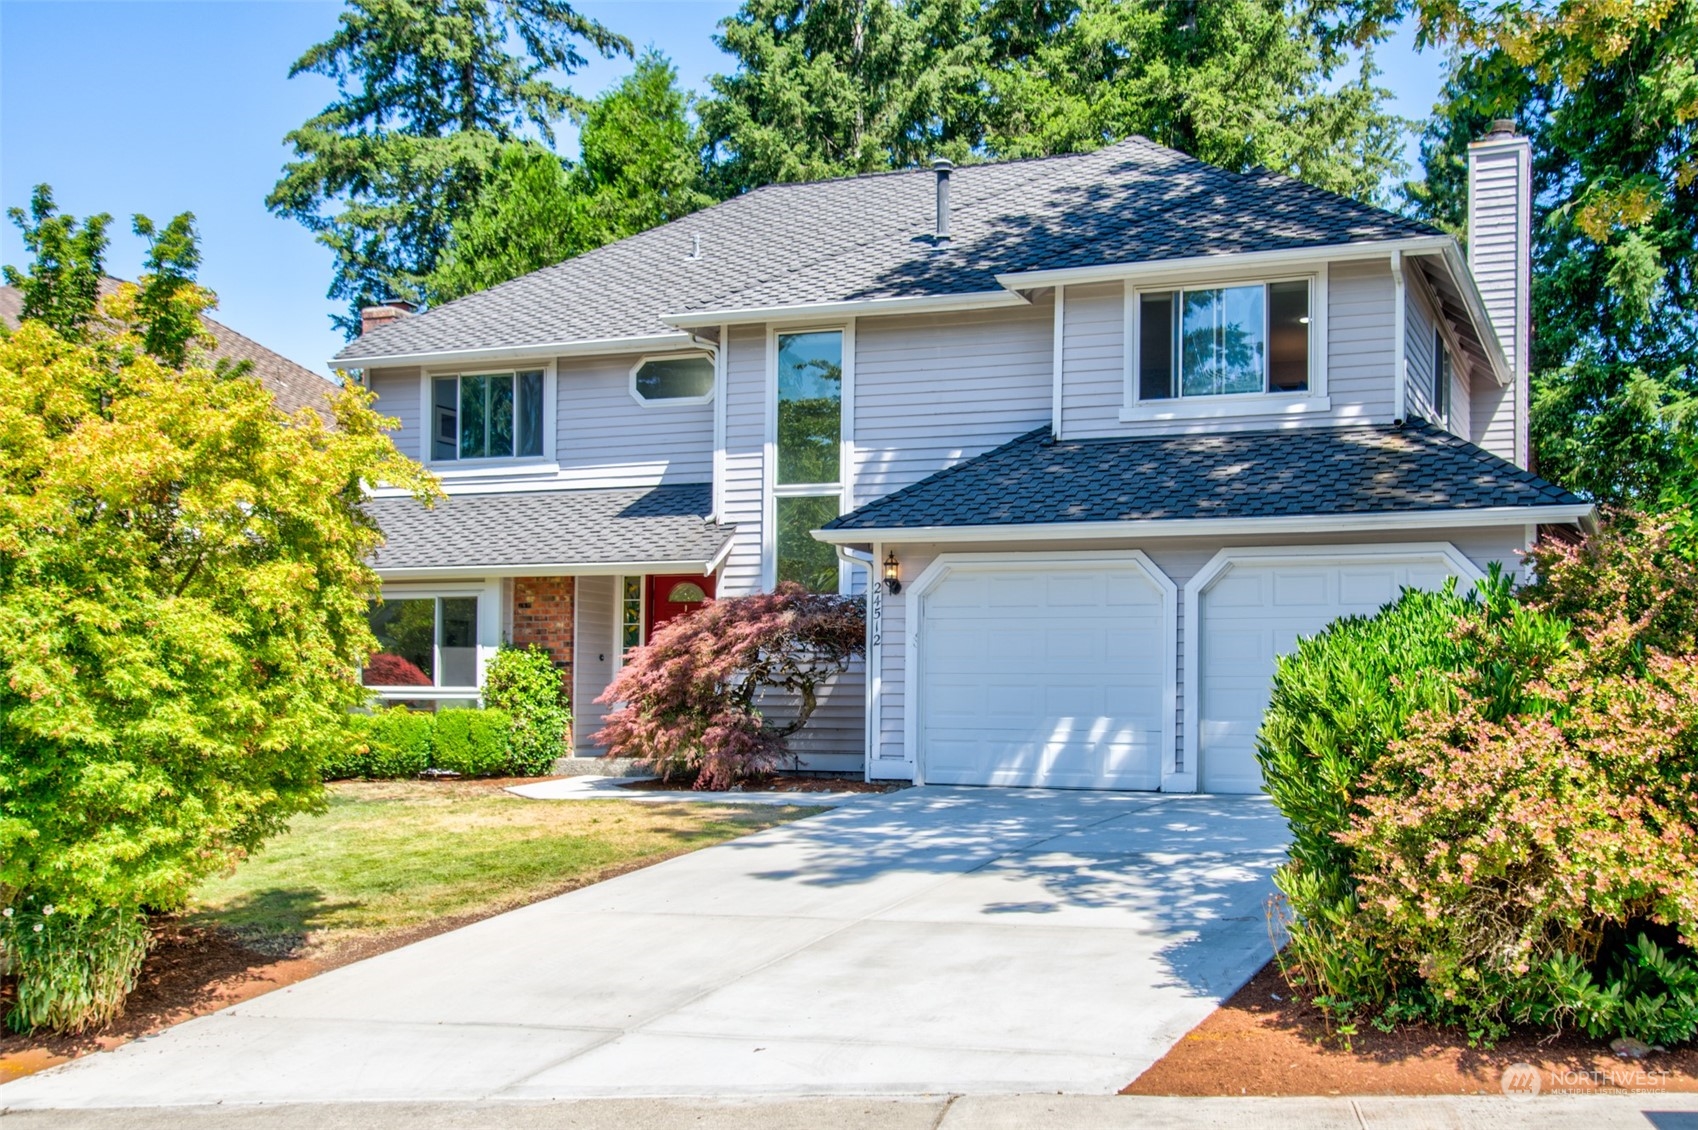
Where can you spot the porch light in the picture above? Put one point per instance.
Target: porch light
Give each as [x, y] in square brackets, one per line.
[892, 575]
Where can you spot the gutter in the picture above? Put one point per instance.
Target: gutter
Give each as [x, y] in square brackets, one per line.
[639, 344]
[1204, 527]
[1247, 260]
[551, 569]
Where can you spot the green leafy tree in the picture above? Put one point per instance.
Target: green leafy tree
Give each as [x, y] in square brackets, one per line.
[429, 93]
[1615, 296]
[641, 166]
[184, 580]
[61, 287]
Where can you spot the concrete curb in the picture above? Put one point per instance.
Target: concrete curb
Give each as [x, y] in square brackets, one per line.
[918, 1112]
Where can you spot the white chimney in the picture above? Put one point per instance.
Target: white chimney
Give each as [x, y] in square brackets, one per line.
[1500, 256]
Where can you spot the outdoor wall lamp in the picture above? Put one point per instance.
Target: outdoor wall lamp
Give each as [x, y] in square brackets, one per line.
[892, 578]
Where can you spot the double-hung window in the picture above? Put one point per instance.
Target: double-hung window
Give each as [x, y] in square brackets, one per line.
[424, 644]
[487, 416]
[1223, 341]
[808, 473]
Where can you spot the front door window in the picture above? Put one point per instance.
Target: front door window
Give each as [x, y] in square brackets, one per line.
[670, 597]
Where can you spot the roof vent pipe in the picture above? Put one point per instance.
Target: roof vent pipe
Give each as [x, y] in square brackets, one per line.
[942, 167]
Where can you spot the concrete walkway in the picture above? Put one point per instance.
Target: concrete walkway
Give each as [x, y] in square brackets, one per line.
[940, 941]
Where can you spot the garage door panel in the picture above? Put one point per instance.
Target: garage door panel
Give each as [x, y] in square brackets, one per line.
[1254, 613]
[1044, 677]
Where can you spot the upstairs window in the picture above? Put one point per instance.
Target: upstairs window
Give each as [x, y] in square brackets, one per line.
[1223, 341]
[1441, 378]
[487, 416]
[673, 380]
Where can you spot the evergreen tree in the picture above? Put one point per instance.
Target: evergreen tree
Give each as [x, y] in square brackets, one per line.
[1615, 250]
[429, 93]
[61, 286]
[640, 167]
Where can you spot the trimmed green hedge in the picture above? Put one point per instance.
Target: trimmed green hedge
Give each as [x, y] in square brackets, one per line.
[398, 743]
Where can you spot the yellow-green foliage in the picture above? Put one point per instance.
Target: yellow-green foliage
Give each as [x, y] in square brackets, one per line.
[183, 592]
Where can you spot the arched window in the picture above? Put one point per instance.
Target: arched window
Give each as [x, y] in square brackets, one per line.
[686, 592]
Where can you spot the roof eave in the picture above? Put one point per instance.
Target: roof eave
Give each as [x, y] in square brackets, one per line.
[1552, 514]
[1463, 278]
[636, 344]
[550, 569]
[859, 307]
[1203, 264]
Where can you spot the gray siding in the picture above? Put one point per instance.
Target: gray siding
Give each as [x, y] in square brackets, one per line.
[745, 455]
[398, 396]
[1418, 326]
[1492, 410]
[1499, 219]
[933, 390]
[606, 439]
[1179, 558]
[593, 638]
[1360, 348]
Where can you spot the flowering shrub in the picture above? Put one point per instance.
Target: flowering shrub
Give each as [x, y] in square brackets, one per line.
[688, 701]
[525, 683]
[1494, 802]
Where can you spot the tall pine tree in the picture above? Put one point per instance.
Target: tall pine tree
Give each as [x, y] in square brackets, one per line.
[429, 93]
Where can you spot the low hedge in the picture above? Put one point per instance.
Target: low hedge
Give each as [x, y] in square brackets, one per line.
[398, 743]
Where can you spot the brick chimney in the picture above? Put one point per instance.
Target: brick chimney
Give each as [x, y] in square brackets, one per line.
[374, 317]
[1500, 256]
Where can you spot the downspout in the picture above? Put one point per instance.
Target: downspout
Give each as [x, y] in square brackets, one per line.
[854, 559]
[1056, 362]
[1400, 345]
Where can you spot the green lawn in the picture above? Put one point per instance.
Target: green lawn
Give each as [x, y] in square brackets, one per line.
[399, 856]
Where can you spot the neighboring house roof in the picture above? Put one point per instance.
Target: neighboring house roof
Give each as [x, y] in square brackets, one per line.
[664, 526]
[292, 386]
[870, 237]
[1296, 473]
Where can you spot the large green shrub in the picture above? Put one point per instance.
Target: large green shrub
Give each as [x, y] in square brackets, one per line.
[525, 683]
[472, 743]
[384, 745]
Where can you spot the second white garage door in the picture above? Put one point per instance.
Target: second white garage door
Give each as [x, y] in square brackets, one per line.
[1044, 676]
[1253, 612]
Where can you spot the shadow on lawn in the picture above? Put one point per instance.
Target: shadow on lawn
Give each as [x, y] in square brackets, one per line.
[276, 921]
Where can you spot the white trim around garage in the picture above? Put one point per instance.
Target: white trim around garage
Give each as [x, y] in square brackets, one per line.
[946, 564]
[1228, 527]
[1185, 768]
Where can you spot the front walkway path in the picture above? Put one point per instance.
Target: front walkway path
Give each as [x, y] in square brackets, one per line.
[932, 940]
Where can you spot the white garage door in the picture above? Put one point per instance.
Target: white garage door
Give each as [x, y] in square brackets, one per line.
[1253, 613]
[1043, 676]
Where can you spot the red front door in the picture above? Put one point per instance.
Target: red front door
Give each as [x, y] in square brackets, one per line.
[671, 597]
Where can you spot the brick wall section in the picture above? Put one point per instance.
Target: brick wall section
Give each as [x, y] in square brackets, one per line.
[542, 614]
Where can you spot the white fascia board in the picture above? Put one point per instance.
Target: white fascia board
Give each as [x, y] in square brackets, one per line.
[1207, 264]
[560, 569]
[521, 352]
[1457, 265]
[826, 311]
[1206, 527]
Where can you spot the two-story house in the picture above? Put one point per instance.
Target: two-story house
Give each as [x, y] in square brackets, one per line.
[1096, 437]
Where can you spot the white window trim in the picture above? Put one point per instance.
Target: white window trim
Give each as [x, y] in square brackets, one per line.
[1185, 779]
[618, 651]
[946, 564]
[1282, 404]
[490, 612]
[771, 491]
[545, 464]
[711, 355]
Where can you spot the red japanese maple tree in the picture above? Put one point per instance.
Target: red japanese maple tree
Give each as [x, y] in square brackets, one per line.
[695, 700]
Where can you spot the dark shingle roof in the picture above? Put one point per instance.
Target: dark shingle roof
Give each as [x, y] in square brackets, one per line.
[292, 386]
[867, 237]
[1307, 472]
[556, 527]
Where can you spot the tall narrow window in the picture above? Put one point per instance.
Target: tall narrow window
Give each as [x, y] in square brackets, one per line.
[1223, 341]
[487, 416]
[809, 449]
[631, 613]
[1441, 378]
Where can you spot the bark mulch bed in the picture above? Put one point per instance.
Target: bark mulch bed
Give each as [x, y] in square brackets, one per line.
[780, 783]
[189, 972]
[1263, 1041]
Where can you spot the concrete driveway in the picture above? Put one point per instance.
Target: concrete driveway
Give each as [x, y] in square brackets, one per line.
[932, 940]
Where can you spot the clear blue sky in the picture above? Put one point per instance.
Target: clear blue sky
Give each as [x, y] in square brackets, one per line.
[159, 108]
